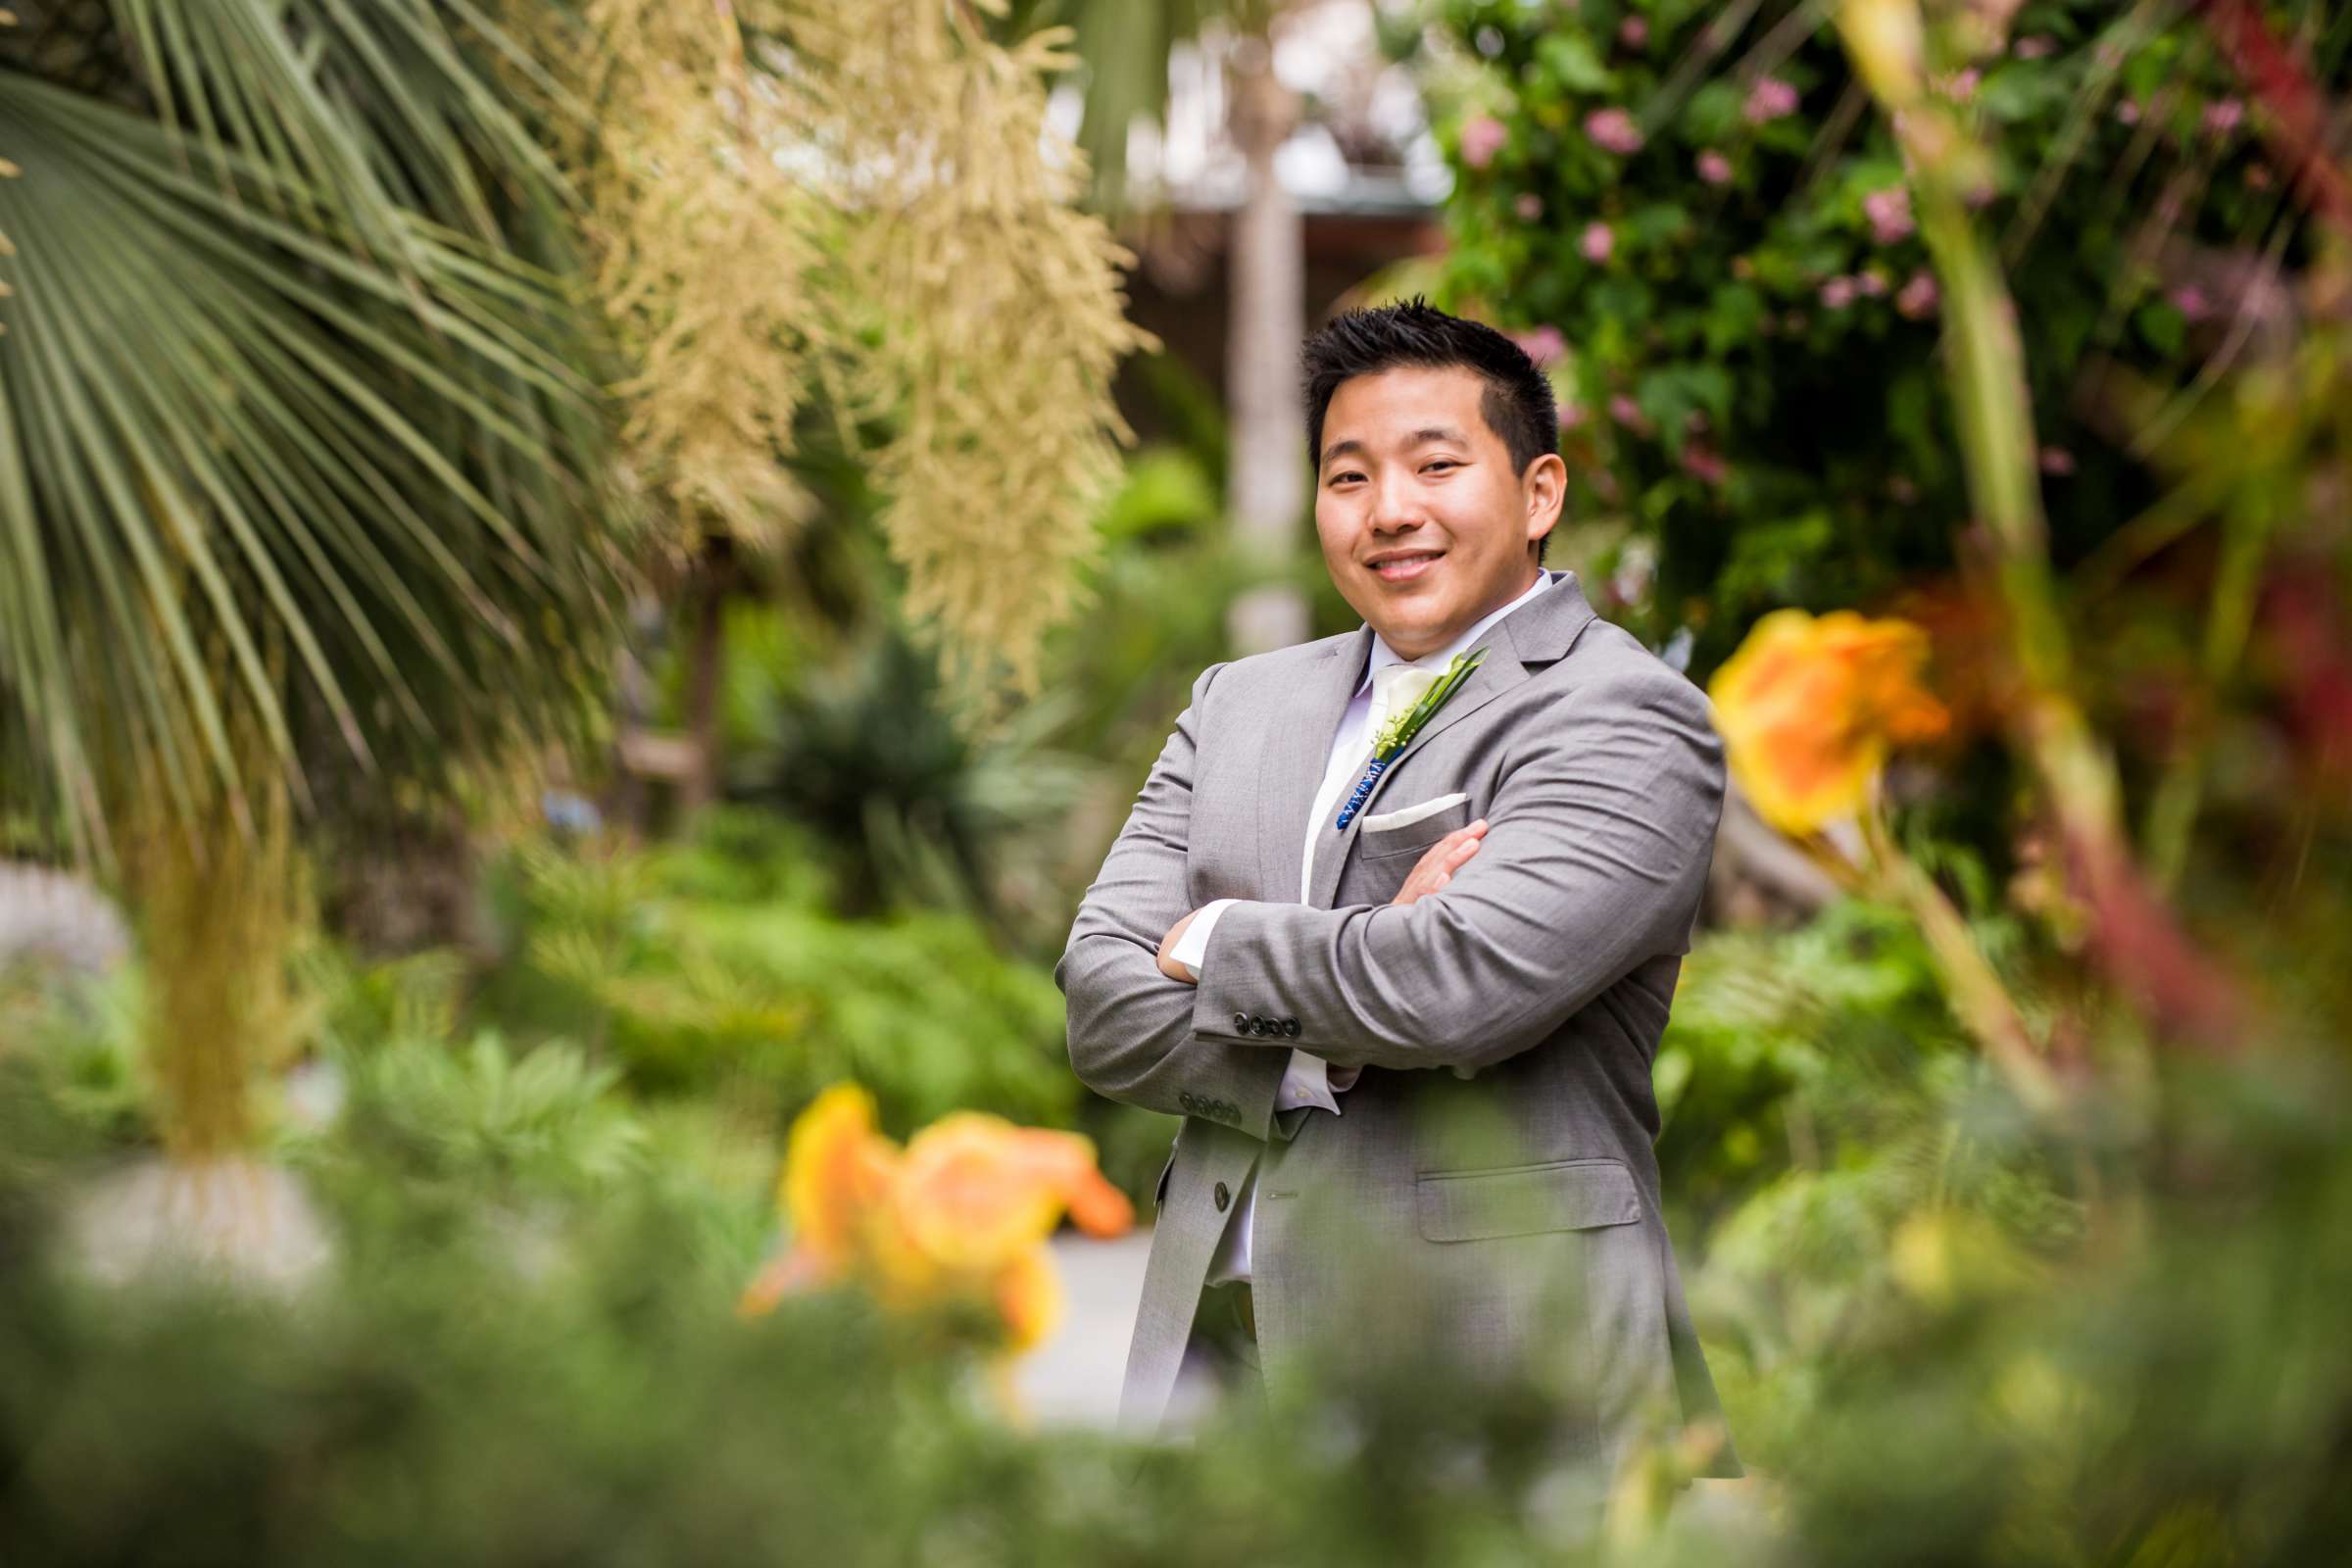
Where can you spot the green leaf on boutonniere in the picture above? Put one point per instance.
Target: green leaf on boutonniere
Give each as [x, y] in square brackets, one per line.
[1399, 732]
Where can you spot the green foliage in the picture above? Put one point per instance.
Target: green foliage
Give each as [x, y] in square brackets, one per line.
[80, 1041]
[1840, 1145]
[1766, 1025]
[478, 1115]
[1751, 335]
[901, 801]
[459, 1391]
[718, 967]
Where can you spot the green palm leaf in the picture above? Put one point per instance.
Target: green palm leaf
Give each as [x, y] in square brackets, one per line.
[290, 423]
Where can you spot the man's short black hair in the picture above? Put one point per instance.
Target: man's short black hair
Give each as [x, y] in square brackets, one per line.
[1518, 404]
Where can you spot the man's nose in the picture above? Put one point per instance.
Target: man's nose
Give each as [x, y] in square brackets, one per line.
[1396, 506]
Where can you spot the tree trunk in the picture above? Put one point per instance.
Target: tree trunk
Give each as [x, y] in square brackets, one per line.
[706, 669]
[1267, 258]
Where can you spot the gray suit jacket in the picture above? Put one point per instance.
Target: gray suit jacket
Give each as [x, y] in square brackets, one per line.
[1487, 1205]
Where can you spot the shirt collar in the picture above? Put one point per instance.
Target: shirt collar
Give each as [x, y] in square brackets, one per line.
[1383, 654]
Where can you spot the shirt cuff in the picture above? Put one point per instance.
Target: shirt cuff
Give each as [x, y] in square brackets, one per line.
[1192, 947]
[1310, 1080]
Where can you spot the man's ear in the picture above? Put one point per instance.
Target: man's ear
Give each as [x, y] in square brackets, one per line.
[1544, 487]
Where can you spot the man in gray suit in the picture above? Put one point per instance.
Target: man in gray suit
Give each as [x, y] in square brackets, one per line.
[1409, 1027]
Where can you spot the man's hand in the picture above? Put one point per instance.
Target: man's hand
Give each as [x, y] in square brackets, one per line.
[1439, 862]
[1432, 873]
[1167, 946]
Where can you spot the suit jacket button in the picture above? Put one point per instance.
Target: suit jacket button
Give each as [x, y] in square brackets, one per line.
[1223, 1197]
[1290, 1026]
[1185, 1099]
[1241, 1023]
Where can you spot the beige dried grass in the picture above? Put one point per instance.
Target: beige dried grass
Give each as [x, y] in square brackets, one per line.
[787, 198]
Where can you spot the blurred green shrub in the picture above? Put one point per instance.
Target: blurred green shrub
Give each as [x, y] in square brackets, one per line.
[899, 801]
[79, 1039]
[1691, 211]
[715, 967]
[1763, 1023]
[597, 1401]
[420, 1110]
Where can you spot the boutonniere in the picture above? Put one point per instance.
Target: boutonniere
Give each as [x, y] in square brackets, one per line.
[1399, 732]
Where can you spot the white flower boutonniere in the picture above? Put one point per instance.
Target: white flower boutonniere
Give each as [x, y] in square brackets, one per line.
[1399, 732]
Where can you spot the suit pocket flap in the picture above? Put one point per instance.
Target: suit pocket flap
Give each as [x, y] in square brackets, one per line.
[1563, 1195]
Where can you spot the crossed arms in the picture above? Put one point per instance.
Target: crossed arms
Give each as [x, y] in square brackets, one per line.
[1599, 833]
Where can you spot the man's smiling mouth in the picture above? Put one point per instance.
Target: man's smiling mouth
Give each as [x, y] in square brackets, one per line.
[1405, 565]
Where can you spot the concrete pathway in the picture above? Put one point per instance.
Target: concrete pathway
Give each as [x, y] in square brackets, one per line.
[1073, 1379]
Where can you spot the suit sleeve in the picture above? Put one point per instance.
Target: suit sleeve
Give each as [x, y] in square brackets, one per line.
[1593, 861]
[1131, 1031]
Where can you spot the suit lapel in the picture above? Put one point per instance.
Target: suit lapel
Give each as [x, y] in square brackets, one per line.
[1296, 748]
[1538, 633]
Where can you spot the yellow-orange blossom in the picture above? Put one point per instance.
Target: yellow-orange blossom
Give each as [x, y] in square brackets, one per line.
[1809, 707]
[961, 1212]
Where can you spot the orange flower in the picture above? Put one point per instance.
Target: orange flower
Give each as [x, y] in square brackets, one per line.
[1809, 707]
[976, 1190]
[837, 1171]
[962, 1214]
[1028, 1296]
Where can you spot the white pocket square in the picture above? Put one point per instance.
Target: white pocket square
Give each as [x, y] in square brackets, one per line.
[1407, 816]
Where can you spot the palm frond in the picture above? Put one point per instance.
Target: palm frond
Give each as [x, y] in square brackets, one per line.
[251, 460]
[375, 109]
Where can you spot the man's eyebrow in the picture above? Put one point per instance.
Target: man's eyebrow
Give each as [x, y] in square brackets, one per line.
[1429, 433]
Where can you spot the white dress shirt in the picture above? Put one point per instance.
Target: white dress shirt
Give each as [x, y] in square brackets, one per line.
[1310, 1080]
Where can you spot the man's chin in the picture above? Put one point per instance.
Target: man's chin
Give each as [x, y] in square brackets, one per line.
[1412, 637]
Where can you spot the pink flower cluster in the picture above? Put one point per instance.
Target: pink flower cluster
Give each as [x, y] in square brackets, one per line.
[1714, 168]
[1918, 297]
[1613, 130]
[1704, 463]
[1483, 137]
[1596, 242]
[1890, 213]
[1839, 292]
[1546, 345]
[1768, 100]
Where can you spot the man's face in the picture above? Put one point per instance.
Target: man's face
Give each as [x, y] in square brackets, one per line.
[1424, 526]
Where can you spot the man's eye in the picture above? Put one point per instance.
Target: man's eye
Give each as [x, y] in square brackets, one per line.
[1442, 462]
[1350, 474]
